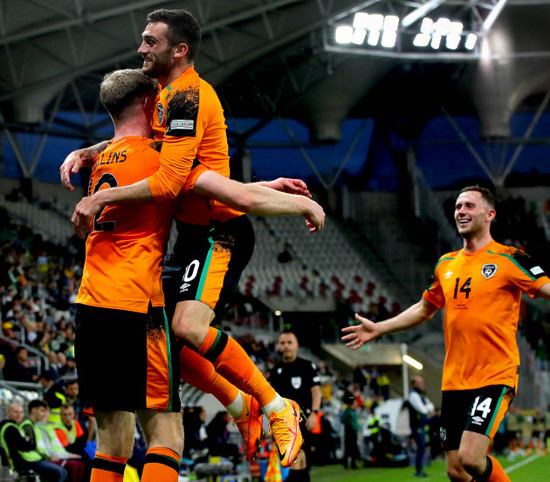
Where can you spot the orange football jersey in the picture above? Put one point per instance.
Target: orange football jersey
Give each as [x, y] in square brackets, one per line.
[189, 119]
[125, 250]
[481, 293]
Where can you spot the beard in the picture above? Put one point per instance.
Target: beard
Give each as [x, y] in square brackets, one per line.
[159, 65]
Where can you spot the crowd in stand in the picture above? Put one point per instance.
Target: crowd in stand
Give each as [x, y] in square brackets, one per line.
[38, 286]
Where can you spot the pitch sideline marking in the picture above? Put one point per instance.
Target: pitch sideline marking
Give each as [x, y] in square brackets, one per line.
[526, 461]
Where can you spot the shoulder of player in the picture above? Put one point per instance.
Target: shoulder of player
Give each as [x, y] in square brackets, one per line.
[510, 253]
[446, 258]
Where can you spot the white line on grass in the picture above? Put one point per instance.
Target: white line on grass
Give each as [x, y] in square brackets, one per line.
[526, 461]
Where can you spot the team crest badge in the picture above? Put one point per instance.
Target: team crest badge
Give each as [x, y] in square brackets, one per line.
[296, 382]
[160, 113]
[488, 270]
[442, 434]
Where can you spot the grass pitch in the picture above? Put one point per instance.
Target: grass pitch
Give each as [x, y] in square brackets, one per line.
[523, 469]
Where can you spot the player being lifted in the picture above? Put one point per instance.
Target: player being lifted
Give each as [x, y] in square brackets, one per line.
[215, 242]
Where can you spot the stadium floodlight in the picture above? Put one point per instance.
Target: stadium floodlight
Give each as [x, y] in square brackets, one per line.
[452, 40]
[442, 26]
[359, 35]
[422, 40]
[375, 22]
[277, 313]
[389, 39]
[344, 34]
[361, 20]
[427, 26]
[436, 41]
[373, 38]
[493, 14]
[412, 362]
[471, 41]
[391, 22]
[420, 12]
[456, 28]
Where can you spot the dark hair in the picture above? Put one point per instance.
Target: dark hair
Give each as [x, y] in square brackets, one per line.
[183, 27]
[120, 87]
[46, 376]
[37, 403]
[290, 332]
[486, 194]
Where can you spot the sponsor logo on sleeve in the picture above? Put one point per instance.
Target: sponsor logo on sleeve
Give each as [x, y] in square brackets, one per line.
[488, 270]
[187, 125]
[536, 270]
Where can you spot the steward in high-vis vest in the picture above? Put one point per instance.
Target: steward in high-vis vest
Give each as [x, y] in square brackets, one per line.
[69, 431]
[20, 448]
[53, 395]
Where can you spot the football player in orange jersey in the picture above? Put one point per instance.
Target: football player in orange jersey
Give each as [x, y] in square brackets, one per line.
[123, 343]
[189, 119]
[480, 288]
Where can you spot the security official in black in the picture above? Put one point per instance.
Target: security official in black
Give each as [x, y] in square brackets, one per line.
[299, 380]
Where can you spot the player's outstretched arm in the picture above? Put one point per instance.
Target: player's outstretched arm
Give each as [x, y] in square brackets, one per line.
[255, 198]
[288, 185]
[78, 159]
[356, 336]
[544, 291]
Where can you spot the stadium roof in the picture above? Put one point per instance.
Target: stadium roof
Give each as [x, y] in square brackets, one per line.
[279, 59]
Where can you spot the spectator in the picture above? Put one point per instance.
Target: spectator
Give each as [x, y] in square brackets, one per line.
[54, 367]
[194, 434]
[17, 369]
[351, 430]
[384, 385]
[62, 363]
[70, 370]
[36, 430]
[54, 395]
[218, 437]
[420, 409]
[70, 432]
[72, 462]
[20, 450]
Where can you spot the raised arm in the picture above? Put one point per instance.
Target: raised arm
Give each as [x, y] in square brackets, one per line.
[357, 335]
[78, 159]
[544, 291]
[255, 198]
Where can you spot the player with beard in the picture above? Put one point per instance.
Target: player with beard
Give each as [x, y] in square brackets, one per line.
[215, 242]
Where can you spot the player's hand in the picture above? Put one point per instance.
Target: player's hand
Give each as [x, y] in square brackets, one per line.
[83, 214]
[290, 186]
[315, 218]
[358, 335]
[72, 164]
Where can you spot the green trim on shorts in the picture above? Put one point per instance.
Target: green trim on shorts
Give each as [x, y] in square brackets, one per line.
[489, 427]
[205, 269]
[169, 355]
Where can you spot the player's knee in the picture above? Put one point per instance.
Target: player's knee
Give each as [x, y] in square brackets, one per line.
[116, 449]
[472, 463]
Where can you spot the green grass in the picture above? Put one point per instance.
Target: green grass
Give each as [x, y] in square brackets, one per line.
[534, 469]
